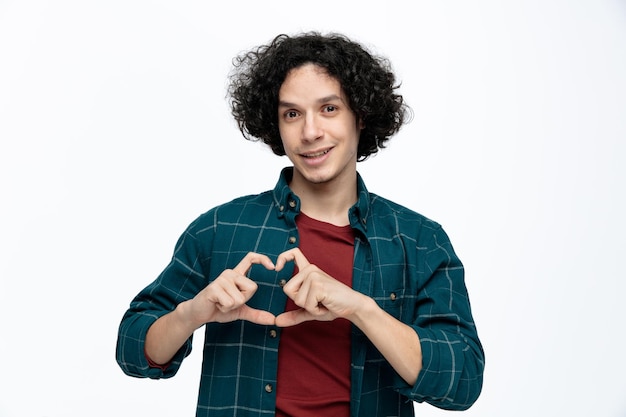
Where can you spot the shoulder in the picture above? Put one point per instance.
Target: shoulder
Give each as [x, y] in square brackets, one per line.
[388, 218]
[239, 210]
[385, 209]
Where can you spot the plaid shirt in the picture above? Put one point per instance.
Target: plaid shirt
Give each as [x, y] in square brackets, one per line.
[402, 260]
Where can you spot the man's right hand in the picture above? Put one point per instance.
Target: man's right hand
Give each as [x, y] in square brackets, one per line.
[224, 299]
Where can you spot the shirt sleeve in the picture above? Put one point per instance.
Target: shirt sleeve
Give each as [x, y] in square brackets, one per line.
[453, 358]
[181, 280]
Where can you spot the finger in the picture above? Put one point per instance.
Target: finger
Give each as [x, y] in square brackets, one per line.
[293, 317]
[232, 294]
[256, 316]
[311, 299]
[230, 289]
[304, 287]
[294, 255]
[245, 287]
[298, 289]
[227, 298]
[250, 259]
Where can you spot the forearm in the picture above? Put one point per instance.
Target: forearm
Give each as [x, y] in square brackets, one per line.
[396, 341]
[168, 334]
[452, 374]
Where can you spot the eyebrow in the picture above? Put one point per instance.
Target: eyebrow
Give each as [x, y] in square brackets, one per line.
[320, 100]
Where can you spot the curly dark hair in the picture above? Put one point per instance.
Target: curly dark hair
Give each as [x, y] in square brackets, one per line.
[367, 81]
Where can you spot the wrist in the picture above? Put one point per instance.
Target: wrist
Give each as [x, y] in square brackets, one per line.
[184, 318]
[367, 307]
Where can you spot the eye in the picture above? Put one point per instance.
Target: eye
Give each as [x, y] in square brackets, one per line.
[291, 114]
[330, 108]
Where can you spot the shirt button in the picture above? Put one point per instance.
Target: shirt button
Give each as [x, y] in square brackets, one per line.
[292, 239]
[393, 296]
[269, 388]
[273, 333]
[292, 203]
[282, 282]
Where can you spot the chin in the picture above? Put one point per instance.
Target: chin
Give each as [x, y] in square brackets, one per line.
[317, 179]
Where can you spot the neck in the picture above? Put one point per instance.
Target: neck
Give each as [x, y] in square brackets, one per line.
[328, 201]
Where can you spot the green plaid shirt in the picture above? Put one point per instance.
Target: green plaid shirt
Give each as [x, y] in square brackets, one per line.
[402, 260]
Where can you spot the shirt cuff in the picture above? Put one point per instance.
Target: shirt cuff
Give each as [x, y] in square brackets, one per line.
[153, 364]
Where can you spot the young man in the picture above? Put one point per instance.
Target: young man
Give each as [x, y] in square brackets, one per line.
[318, 297]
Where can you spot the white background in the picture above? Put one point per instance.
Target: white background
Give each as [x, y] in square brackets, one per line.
[115, 134]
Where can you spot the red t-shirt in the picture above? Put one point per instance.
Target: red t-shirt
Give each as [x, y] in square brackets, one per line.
[314, 356]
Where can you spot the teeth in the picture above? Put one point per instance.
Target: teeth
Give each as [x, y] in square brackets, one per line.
[315, 155]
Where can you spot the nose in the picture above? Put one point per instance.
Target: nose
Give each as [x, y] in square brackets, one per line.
[312, 128]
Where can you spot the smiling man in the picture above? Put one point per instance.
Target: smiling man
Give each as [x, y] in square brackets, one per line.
[318, 297]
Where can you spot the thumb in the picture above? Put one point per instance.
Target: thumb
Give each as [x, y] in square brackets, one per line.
[293, 317]
[256, 316]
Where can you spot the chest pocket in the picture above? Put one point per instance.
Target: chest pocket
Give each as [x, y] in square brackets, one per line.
[391, 301]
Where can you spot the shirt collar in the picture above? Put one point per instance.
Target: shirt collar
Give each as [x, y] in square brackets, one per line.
[286, 201]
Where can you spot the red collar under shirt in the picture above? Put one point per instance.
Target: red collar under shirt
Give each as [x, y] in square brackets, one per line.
[314, 357]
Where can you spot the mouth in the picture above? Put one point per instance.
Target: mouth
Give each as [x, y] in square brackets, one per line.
[317, 154]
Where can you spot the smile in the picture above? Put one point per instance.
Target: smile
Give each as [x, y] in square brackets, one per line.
[315, 154]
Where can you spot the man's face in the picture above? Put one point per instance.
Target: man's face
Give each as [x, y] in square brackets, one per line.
[320, 132]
